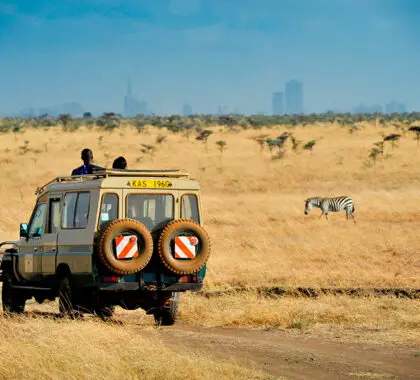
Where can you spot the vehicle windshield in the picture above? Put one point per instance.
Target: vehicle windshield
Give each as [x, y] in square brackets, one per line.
[153, 210]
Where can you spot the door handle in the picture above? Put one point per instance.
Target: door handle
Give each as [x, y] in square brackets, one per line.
[54, 249]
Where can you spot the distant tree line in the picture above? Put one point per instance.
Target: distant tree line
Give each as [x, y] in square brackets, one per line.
[177, 123]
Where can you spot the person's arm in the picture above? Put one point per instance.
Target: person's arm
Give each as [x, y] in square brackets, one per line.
[94, 168]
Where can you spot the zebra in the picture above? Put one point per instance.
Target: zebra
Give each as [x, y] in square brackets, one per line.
[331, 204]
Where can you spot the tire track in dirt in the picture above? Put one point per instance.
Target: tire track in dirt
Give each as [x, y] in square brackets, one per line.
[292, 356]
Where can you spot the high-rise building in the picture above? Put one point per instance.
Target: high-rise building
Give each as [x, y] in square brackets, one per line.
[52, 111]
[394, 107]
[294, 97]
[362, 108]
[187, 110]
[132, 106]
[73, 108]
[27, 112]
[222, 110]
[278, 103]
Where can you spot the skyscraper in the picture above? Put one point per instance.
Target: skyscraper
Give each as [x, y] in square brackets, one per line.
[187, 110]
[394, 106]
[294, 97]
[132, 106]
[278, 103]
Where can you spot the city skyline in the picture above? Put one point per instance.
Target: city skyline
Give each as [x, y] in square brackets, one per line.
[208, 52]
[286, 102]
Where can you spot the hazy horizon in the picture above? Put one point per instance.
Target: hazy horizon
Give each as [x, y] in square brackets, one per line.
[208, 53]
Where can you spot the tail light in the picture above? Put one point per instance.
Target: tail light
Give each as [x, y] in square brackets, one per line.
[111, 279]
[190, 278]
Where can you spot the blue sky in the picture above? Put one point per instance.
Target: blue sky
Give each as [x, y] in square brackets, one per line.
[208, 52]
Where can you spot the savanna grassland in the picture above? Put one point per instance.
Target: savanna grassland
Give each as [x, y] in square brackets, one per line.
[254, 213]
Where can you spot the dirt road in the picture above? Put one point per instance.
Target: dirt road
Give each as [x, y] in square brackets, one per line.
[283, 355]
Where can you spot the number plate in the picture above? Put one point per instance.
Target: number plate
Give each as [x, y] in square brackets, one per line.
[150, 184]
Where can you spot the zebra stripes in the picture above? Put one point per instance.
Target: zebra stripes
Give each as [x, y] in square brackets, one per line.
[331, 204]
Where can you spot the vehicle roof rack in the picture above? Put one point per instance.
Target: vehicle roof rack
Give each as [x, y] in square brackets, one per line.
[103, 173]
[172, 173]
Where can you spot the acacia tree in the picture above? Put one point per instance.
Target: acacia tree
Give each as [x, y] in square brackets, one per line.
[221, 144]
[393, 138]
[148, 150]
[295, 142]
[160, 139]
[108, 120]
[380, 146]
[309, 145]
[261, 140]
[374, 152]
[279, 144]
[416, 130]
[65, 119]
[203, 136]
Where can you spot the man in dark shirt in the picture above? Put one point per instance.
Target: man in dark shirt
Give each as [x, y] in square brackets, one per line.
[87, 167]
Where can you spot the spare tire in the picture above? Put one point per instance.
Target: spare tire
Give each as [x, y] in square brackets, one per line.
[107, 246]
[167, 251]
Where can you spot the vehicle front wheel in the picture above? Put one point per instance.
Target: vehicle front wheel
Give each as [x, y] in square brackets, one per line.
[167, 315]
[66, 297]
[13, 301]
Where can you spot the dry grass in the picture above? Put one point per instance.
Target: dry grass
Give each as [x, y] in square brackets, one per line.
[254, 205]
[378, 320]
[42, 348]
[254, 214]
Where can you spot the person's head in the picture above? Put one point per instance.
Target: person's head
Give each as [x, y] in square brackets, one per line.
[119, 163]
[87, 156]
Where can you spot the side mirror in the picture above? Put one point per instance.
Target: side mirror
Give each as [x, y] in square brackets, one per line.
[23, 230]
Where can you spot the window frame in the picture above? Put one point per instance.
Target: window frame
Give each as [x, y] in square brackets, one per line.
[198, 207]
[75, 207]
[32, 219]
[151, 193]
[101, 203]
[48, 224]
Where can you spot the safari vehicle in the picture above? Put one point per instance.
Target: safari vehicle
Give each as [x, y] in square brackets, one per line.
[116, 237]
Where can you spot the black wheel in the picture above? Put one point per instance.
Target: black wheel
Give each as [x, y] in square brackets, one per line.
[13, 300]
[104, 312]
[167, 315]
[66, 297]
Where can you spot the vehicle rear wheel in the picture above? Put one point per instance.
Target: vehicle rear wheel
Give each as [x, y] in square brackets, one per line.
[66, 297]
[13, 301]
[167, 315]
[104, 312]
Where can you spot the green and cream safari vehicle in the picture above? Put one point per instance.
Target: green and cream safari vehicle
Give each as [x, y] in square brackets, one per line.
[117, 237]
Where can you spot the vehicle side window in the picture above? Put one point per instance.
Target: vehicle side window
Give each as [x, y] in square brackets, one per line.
[68, 210]
[109, 208]
[37, 224]
[54, 216]
[76, 210]
[82, 211]
[189, 207]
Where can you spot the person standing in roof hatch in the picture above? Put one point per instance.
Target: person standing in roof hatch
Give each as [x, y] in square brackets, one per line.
[120, 163]
[88, 167]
